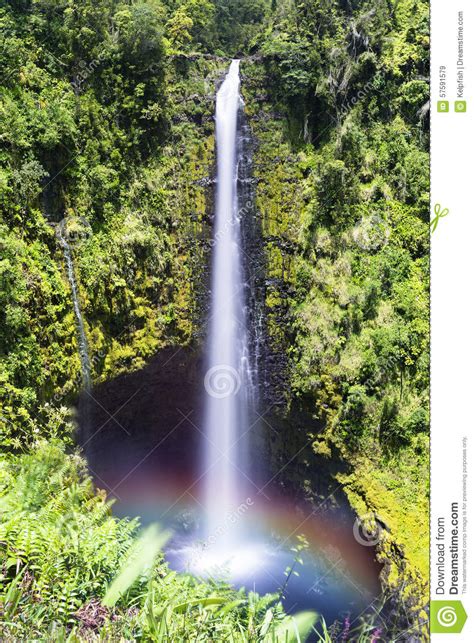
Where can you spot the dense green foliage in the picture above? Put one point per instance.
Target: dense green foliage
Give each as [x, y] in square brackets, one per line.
[343, 188]
[106, 138]
[356, 98]
[102, 139]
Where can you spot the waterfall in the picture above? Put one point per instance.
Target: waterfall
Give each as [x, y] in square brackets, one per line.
[82, 339]
[243, 535]
[228, 377]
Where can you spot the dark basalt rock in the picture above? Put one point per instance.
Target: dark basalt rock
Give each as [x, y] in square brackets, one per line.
[270, 368]
[143, 422]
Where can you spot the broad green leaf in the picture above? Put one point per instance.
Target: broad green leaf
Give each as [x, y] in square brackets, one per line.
[203, 602]
[137, 563]
[293, 629]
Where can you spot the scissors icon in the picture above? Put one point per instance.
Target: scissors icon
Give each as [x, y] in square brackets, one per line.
[439, 214]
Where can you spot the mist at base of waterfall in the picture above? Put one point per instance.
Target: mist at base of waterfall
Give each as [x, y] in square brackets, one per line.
[301, 580]
[254, 547]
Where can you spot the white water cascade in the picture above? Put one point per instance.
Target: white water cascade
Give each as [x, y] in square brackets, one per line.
[228, 378]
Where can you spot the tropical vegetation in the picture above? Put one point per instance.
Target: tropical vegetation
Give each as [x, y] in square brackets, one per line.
[107, 137]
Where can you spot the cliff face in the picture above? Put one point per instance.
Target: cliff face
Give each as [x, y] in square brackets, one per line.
[334, 312]
[292, 287]
[157, 294]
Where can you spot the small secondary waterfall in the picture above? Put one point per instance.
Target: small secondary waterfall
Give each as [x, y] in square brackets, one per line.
[228, 378]
[82, 340]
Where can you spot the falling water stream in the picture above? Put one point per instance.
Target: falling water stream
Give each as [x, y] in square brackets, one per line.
[228, 377]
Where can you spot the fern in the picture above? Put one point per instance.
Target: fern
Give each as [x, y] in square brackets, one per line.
[72, 571]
